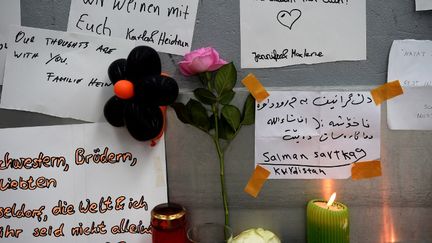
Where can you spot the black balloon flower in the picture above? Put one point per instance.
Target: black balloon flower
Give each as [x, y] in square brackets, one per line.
[141, 94]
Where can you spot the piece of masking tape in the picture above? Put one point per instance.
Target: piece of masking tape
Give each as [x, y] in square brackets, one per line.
[364, 170]
[255, 87]
[257, 181]
[386, 91]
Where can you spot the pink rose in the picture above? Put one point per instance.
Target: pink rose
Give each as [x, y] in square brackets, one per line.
[201, 60]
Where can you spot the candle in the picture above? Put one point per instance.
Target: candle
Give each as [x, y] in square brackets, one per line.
[327, 221]
[168, 223]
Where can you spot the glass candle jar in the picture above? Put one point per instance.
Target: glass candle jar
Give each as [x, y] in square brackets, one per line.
[210, 233]
[169, 223]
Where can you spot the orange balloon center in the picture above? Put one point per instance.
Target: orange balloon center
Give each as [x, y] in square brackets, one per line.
[124, 89]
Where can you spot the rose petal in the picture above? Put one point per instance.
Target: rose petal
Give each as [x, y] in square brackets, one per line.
[188, 57]
[201, 60]
[217, 65]
[214, 53]
[193, 54]
[201, 64]
[185, 69]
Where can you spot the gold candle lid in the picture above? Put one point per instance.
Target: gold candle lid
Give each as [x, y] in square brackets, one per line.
[168, 211]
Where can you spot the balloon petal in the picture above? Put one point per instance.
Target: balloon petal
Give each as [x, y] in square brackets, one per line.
[117, 70]
[143, 122]
[141, 62]
[114, 111]
[157, 90]
[156, 139]
[169, 91]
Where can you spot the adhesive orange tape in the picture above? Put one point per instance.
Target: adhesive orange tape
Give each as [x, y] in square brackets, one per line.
[257, 181]
[386, 91]
[255, 87]
[364, 170]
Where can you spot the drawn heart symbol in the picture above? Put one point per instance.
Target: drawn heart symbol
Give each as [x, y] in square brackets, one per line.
[288, 18]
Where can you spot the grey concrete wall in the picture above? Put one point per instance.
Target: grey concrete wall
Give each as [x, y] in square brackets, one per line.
[396, 207]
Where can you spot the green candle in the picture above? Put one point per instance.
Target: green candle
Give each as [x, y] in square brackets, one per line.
[327, 222]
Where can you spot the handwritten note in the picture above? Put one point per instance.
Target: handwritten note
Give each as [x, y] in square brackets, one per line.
[410, 63]
[78, 183]
[10, 14]
[310, 135]
[59, 73]
[281, 33]
[422, 5]
[167, 26]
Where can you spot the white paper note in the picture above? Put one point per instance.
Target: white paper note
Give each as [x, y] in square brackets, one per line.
[422, 5]
[167, 26]
[282, 33]
[10, 14]
[59, 73]
[83, 183]
[410, 63]
[311, 135]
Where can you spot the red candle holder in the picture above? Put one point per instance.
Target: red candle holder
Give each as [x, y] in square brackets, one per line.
[169, 224]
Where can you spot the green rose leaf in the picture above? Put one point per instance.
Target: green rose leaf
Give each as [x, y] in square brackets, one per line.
[226, 78]
[248, 117]
[205, 96]
[225, 130]
[182, 113]
[232, 115]
[226, 97]
[198, 115]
